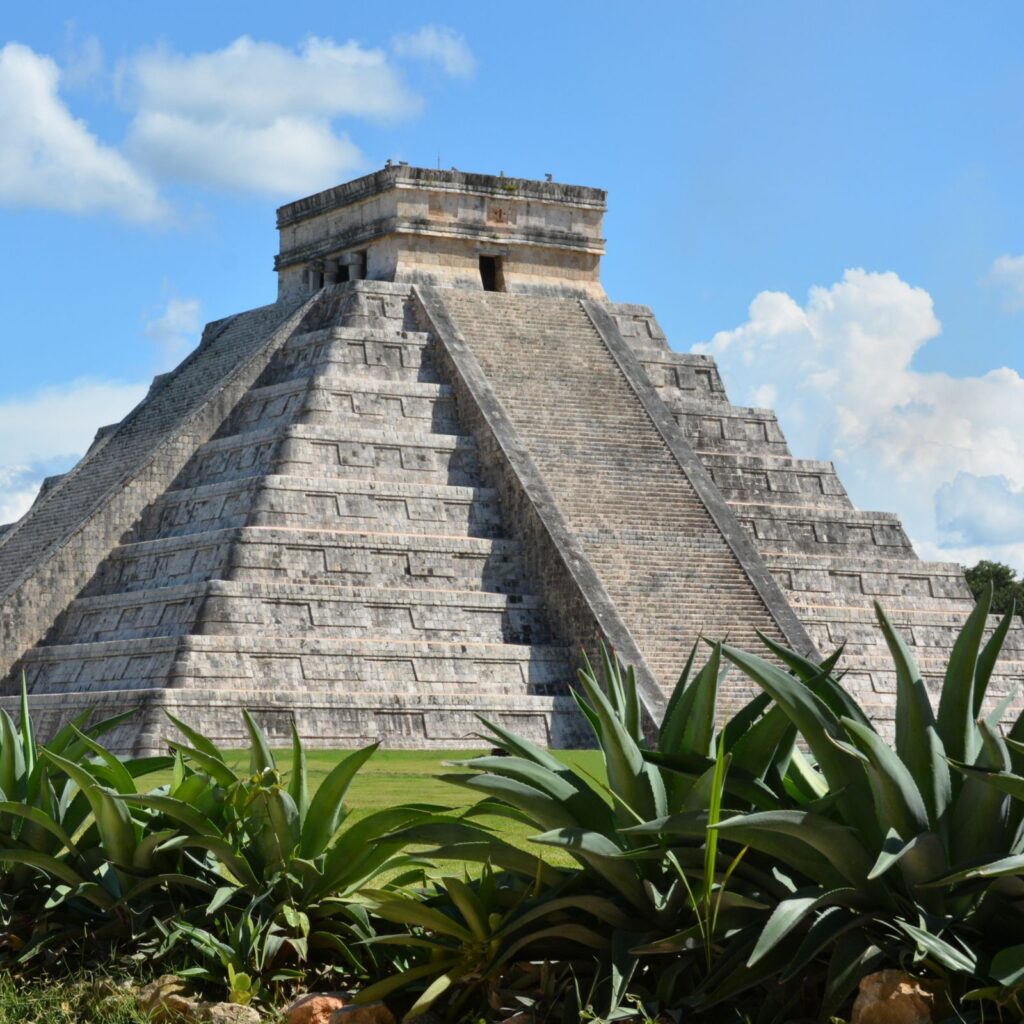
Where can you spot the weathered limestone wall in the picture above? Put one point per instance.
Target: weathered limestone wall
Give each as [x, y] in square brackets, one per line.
[49, 555]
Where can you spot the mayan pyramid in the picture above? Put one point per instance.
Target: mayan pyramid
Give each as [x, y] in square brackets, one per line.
[416, 486]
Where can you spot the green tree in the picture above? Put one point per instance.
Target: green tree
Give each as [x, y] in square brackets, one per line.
[1007, 590]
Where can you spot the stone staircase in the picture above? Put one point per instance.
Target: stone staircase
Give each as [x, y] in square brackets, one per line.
[643, 526]
[332, 554]
[831, 559]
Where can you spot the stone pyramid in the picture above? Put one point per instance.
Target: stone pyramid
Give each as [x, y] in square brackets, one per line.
[417, 486]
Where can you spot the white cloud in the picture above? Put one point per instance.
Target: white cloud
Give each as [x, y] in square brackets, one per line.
[440, 44]
[917, 443]
[47, 432]
[175, 330]
[981, 509]
[82, 64]
[1008, 273]
[258, 116]
[49, 159]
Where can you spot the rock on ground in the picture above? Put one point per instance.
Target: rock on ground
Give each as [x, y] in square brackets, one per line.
[315, 1008]
[895, 997]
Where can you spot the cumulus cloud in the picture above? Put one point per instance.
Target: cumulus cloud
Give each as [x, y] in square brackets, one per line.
[49, 159]
[840, 371]
[981, 509]
[1008, 273]
[175, 330]
[258, 116]
[441, 45]
[47, 432]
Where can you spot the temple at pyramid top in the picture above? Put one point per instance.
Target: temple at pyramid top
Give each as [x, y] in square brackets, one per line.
[445, 228]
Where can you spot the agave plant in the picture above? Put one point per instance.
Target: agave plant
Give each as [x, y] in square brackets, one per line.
[72, 854]
[906, 855]
[474, 930]
[284, 864]
[638, 836]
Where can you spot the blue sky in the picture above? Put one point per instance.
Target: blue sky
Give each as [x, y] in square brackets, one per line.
[825, 196]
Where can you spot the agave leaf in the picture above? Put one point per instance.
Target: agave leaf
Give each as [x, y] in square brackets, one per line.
[176, 810]
[584, 805]
[917, 739]
[432, 993]
[956, 719]
[1007, 966]
[298, 784]
[121, 779]
[980, 815]
[277, 832]
[1005, 782]
[690, 717]
[738, 783]
[326, 808]
[144, 859]
[116, 828]
[196, 738]
[637, 784]
[819, 727]
[41, 820]
[988, 657]
[838, 845]
[12, 759]
[819, 680]
[382, 989]
[757, 748]
[670, 733]
[213, 766]
[951, 957]
[790, 912]
[603, 856]
[412, 912]
[543, 810]
[824, 932]
[468, 905]
[1013, 865]
[744, 719]
[58, 869]
[805, 779]
[563, 932]
[233, 861]
[897, 798]
[261, 757]
[605, 910]
[921, 856]
[28, 743]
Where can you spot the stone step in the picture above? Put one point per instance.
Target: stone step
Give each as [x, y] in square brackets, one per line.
[780, 532]
[337, 450]
[222, 607]
[326, 400]
[773, 474]
[324, 719]
[354, 351]
[299, 666]
[324, 503]
[853, 579]
[266, 554]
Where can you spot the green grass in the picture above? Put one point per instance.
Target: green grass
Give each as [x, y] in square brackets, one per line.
[67, 1001]
[393, 777]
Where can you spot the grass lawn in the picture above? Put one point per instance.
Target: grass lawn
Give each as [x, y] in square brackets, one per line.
[393, 777]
